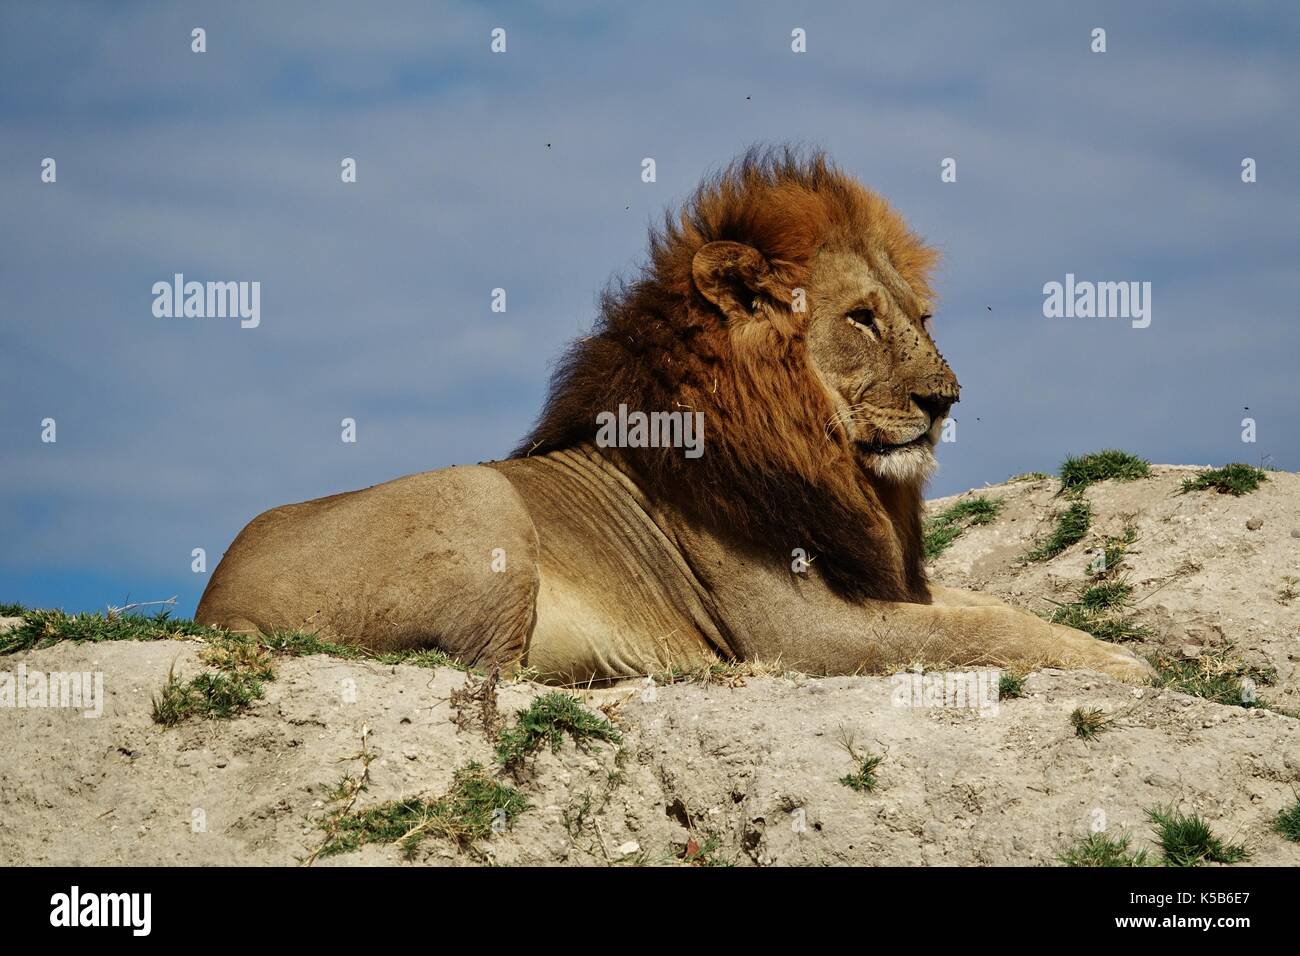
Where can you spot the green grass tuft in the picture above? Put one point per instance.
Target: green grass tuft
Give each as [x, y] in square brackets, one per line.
[1071, 525]
[1089, 722]
[1214, 675]
[1100, 610]
[1288, 822]
[1233, 479]
[1098, 849]
[464, 815]
[546, 722]
[1106, 595]
[1075, 615]
[1011, 685]
[1189, 841]
[212, 696]
[1117, 628]
[1111, 464]
[863, 780]
[947, 526]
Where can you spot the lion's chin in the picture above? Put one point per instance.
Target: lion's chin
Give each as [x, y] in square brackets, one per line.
[910, 463]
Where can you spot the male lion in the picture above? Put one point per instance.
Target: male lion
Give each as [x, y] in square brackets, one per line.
[791, 307]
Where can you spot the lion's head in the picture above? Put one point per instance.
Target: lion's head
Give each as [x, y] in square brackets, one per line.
[791, 306]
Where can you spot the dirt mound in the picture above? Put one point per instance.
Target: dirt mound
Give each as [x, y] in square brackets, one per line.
[736, 768]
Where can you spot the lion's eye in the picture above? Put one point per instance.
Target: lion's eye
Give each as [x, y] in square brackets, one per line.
[926, 322]
[863, 319]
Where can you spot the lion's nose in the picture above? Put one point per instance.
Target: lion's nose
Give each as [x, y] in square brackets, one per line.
[936, 406]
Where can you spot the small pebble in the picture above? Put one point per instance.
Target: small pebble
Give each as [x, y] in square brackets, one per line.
[1254, 524]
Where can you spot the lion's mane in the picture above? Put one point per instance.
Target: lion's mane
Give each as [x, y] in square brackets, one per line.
[774, 470]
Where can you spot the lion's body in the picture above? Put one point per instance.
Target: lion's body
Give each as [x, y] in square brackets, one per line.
[561, 564]
[822, 397]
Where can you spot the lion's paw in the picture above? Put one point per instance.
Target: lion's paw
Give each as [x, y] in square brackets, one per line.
[1110, 659]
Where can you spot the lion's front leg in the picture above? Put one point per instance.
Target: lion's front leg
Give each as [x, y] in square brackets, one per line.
[994, 634]
[889, 636]
[1068, 640]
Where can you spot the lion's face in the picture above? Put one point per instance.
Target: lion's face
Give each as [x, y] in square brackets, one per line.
[869, 343]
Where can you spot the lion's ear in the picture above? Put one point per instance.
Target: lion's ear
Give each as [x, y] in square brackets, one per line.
[731, 275]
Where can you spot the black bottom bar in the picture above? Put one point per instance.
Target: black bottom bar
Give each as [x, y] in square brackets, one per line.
[328, 905]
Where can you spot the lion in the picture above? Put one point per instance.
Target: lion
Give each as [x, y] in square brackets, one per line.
[790, 308]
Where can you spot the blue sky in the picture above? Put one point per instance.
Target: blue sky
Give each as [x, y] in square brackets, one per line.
[522, 170]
